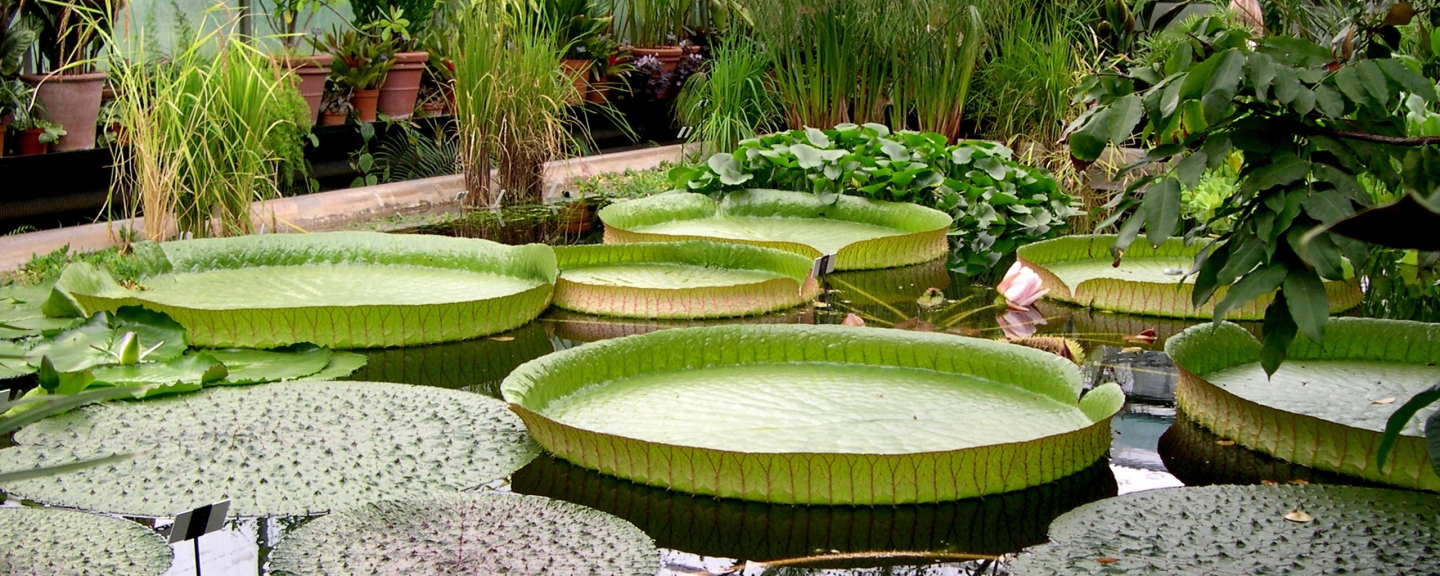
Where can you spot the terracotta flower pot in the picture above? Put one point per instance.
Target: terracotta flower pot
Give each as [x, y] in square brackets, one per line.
[364, 102]
[578, 71]
[402, 84]
[73, 102]
[669, 56]
[30, 142]
[311, 72]
[329, 119]
[4, 127]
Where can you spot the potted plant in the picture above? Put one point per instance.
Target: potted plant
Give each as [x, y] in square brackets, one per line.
[400, 22]
[361, 62]
[71, 34]
[36, 135]
[608, 64]
[437, 84]
[337, 107]
[16, 98]
[289, 19]
[657, 28]
[577, 30]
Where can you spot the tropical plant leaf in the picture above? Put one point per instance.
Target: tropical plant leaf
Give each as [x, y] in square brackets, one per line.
[486, 533]
[98, 341]
[806, 419]
[50, 541]
[339, 289]
[688, 279]
[250, 366]
[863, 234]
[282, 449]
[1319, 410]
[1241, 530]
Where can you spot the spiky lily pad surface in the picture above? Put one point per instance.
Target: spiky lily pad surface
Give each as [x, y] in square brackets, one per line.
[694, 279]
[815, 414]
[340, 289]
[729, 528]
[1244, 530]
[1080, 270]
[863, 234]
[1326, 407]
[284, 449]
[49, 541]
[467, 533]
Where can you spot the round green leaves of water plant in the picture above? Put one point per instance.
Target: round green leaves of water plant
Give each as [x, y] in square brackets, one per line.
[862, 234]
[283, 449]
[694, 279]
[815, 414]
[467, 533]
[1081, 270]
[49, 541]
[1244, 530]
[340, 289]
[1327, 407]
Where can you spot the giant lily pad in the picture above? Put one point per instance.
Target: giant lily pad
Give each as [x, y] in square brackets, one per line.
[730, 528]
[1080, 270]
[695, 279]
[1326, 408]
[20, 314]
[283, 449]
[815, 414]
[862, 234]
[341, 289]
[1198, 457]
[1244, 530]
[467, 533]
[49, 541]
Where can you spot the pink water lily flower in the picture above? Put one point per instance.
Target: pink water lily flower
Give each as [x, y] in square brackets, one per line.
[1021, 287]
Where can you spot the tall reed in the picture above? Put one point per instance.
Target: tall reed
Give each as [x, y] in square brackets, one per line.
[732, 99]
[939, 65]
[1025, 88]
[649, 23]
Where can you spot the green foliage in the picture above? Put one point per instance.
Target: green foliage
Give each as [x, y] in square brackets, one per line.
[996, 203]
[362, 59]
[1200, 203]
[576, 27]
[1024, 88]
[1307, 124]
[625, 185]
[649, 23]
[731, 99]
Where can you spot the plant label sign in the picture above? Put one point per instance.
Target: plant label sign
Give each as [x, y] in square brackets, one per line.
[823, 265]
[199, 522]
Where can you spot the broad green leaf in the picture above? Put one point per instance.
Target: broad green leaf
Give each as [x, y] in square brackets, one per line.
[1262, 73]
[1189, 170]
[1125, 114]
[184, 374]
[1259, 283]
[1245, 252]
[1403, 418]
[1278, 331]
[1222, 84]
[1305, 297]
[53, 541]
[1373, 79]
[817, 138]
[1432, 440]
[1087, 143]
[250, 366]
[1286, 171]
[1349, 81]
[1329, 100]
[730, 171]
[1412, 81]
[1287, 85]
[1328, 206]
[1162, 210]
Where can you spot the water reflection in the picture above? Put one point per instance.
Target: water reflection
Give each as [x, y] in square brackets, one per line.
[474, 365]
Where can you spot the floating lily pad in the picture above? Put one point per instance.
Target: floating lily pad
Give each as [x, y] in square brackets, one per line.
[49, 541]
[340, 289]
[467, 533]
[862, 234]
[1080, 270]
[1198, 457]
[473, 365]
[1244, 530]
[1326, 408]
[695, 279]
[730, 528]
[815, 414]
[283, 449]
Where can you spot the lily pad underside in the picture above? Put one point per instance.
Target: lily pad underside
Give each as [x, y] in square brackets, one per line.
[576, 327]
[283, 449]
[815, 414]
[1198, 457]
[862, 234]
[50, 541]
[467, 533]
[339, 289]
[1080, 270]
[1326, 408]
[693, 279]
[1244, 530]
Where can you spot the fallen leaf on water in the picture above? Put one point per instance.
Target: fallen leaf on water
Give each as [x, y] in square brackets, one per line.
[1298, 515]
[1225, 442]
[1146, 336]
[821, 305]
[502, 338]
[1107, 560]
[1390, 400]
[1131, 350]
[1269, 483]
[1299, 482]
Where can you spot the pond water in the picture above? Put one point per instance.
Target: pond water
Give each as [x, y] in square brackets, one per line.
[1153, 446]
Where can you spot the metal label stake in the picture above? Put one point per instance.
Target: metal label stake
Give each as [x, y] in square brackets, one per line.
[199, 522]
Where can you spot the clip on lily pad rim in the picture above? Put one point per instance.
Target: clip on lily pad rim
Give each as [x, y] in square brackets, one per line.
[784, 477]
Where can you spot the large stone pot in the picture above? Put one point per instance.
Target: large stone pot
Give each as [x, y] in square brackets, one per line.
[402, 84]
[73, 102]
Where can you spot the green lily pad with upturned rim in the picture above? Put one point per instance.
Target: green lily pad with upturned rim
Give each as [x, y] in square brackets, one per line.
[815, 414]
[53, 541]
[1326, 408]
[862, 234]
[467, 533]
[691, 279]
[1244, 530]
[1081, 270]
[283, 449]
[338, 289]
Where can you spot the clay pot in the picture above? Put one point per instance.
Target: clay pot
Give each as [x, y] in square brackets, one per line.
[4, 127]
[578, 71]
[600, 92]
[328, 119]
[30, 142]
[311, 71]
[364, 102]
[73, 102]
[576, 219]
[669, 56]
[402, 84]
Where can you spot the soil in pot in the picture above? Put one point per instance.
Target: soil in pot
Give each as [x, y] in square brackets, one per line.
[365, 102]
[30, 142]
[402, 84]
[311, 72]
[72, 101]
